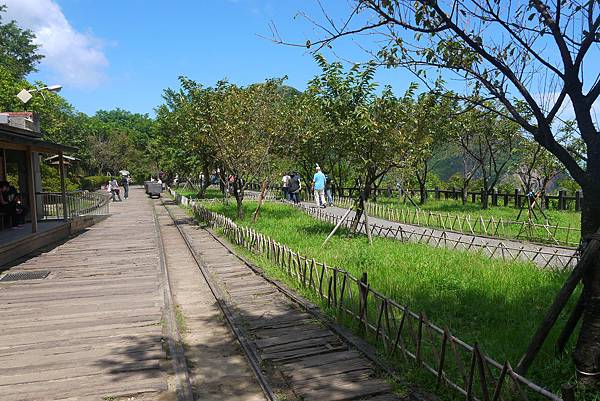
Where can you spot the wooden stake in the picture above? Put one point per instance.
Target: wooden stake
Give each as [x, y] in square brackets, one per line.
[559, 303]
[337, 226]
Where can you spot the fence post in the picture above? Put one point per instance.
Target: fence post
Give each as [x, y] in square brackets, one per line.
[577, 201]
[561, 200]
[546, 202]
[437, 193]
[506, 199]
[568, 392]
[495, 197]
[473, 197]
[517, 203]
[363, 293]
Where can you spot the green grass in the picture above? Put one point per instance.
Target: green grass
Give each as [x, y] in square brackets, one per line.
[563, 218]
[210, 193]
[497, 304]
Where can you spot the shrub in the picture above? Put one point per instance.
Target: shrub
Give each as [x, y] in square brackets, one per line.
[94, 182]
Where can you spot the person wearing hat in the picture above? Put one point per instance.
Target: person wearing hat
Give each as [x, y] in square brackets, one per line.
[318, 184]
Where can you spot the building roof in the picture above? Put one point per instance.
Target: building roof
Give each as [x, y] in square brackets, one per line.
[18, 138]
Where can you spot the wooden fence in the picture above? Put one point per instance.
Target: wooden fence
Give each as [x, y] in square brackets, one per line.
[561, 201]
[559, 258]
[500, 228]
[399, 330]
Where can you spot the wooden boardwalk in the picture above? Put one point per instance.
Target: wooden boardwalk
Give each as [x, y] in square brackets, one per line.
[92, 329]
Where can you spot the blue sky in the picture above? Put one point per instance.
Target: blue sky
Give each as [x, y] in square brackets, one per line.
[111, 53]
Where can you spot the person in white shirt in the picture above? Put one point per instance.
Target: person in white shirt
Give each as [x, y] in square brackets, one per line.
[115, 190]
[285, 185]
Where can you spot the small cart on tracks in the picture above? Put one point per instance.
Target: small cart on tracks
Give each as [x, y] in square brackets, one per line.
[153, 189]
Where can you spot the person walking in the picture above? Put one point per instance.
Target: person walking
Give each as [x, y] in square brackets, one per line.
[328, 190]
[285, 181]
[114, 188]
[318, 185]
[294, 187]
[125, 185]
[110, 190]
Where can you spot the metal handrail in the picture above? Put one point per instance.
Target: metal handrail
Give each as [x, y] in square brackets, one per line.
[78, 203]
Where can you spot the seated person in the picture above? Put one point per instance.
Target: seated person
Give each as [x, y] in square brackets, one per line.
[20, 210]
[7, 202]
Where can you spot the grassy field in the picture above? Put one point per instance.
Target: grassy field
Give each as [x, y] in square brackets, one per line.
[210, 193]
[497, 304]
[449, 209]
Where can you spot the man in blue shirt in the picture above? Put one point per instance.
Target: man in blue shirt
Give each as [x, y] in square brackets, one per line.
[319, 187]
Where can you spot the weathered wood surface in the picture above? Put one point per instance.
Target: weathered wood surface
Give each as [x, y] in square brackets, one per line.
[216, 365]
[317, 364]
[92, 329]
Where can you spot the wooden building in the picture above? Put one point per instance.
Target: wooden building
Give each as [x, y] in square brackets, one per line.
[51, 215]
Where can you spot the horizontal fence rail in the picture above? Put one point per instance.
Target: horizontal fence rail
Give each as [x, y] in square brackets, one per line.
[561, 201]
[78, 203]
[476, 225]
[401, 331]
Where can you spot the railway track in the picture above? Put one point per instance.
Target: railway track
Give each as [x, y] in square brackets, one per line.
[292, 354]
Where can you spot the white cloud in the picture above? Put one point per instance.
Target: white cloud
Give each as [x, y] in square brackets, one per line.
[76, 58]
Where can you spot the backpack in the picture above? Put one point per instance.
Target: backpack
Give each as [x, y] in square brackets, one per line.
[294, 183]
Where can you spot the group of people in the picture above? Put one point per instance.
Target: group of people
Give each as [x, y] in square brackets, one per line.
[321, 186]
[115, 190]
[291, 186]
[11, 205]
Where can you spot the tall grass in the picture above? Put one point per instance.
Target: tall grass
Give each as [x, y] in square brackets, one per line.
[210, 193]
[495, 303]
[561, 217]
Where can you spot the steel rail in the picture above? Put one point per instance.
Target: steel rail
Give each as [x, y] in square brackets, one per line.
[247, 347]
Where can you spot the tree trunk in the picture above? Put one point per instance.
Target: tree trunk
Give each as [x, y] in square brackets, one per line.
[587, 350]
[261, 197]
[359, 208]
[464, 195]
[422, 193]
[238, 192]
[205, 184]
[222, 180]
[484, 199]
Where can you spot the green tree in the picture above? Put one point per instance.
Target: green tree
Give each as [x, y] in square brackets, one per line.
[18, 52]
[243, 126]
[363, 129]
[491, 144]
[520, 53]
[432, 122]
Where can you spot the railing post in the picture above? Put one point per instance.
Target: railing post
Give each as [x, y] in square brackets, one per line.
[495, 197]
[568, 392]
[31, 190]
[561, 200]
[437, 193]
[63, 188]
[363, 293]
[517, 203]
[577, 201]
